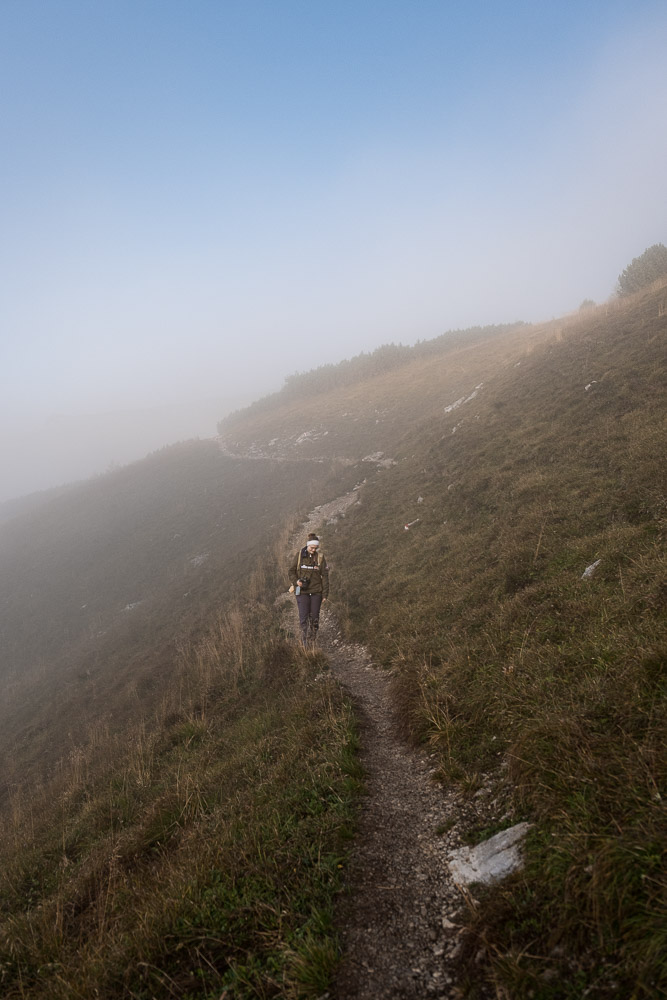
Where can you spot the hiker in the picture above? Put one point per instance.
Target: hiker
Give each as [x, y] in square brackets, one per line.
[309, 576]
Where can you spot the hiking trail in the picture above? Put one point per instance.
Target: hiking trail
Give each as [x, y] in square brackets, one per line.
[398, 917]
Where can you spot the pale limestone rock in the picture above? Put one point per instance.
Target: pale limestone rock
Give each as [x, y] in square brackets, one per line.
[492, 860]
[590, 570]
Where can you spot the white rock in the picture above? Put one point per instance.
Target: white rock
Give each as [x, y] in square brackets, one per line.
[490, 861]
[590, 570]
[464, 399]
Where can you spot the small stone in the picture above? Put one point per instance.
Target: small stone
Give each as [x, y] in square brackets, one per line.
[590, 570]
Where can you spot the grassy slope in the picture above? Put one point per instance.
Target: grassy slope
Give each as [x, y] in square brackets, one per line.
[503, 654]
[200, 852]
[179, 834]
[100, 587]
[162, 843]
[365, 415]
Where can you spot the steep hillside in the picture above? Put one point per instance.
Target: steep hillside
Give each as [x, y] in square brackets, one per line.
[359, 409]
[176, 788]
[100, 586]
[506, 562]
[10, 509]
[523, 616]
[179, 780]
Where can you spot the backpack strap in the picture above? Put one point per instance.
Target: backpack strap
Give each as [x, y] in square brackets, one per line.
[320, 560]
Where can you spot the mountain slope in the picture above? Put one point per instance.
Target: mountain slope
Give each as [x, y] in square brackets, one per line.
[511, 656]
[522, 613]
[176, 790]
[100, 587]
[365, 406]
[205, 772]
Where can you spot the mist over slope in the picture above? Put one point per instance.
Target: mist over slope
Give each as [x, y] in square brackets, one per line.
[359, 407]
[99, 585]
[506, 561]
[493, 468]
[42, 450]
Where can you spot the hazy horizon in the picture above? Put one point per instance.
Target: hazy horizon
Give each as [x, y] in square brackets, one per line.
[199, 200]
[58, 449]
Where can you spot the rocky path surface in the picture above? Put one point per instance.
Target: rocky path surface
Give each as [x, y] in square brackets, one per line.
[398, 918]
[398, 921]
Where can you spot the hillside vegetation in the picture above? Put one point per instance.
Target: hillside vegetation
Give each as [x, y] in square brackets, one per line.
[375, 399]
[507, 660]
[101, 587]
[196, 851]
[180, 781]
[518, 461]
[176, 786]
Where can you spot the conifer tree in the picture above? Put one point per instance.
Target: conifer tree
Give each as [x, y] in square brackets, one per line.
[644, 270]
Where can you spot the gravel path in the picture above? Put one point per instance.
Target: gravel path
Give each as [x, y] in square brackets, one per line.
[398, 918]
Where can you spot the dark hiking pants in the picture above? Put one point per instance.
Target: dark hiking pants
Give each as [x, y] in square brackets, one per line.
[309, 613]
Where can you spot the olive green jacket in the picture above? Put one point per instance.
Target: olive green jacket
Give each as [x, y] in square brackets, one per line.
[314, 568]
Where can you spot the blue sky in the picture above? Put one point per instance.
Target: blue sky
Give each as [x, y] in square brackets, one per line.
[198, 198]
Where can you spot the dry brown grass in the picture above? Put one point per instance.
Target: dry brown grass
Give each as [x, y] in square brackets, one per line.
[179, 789]
[175, 536]
[190, 841]
[502, 653]
[195, 852]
